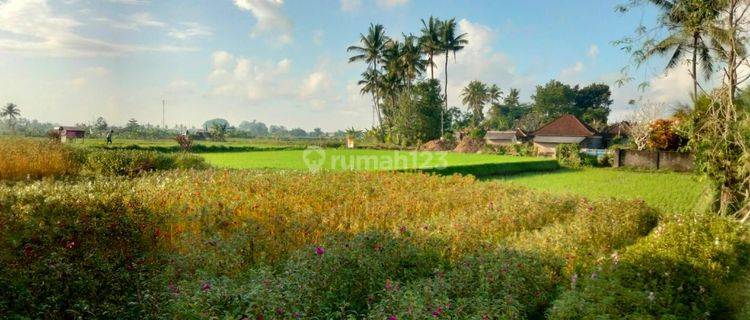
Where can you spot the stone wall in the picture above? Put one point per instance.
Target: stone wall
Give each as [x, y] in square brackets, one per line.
[654, 160]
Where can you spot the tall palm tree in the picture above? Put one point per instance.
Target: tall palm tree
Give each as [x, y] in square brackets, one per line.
[494, 93]
[430, 41]
[474, 96]
[371, 52]
[370, 83]
[449, 42]
[411, 59]
[691, 25]
[513, 98]
[10, 111]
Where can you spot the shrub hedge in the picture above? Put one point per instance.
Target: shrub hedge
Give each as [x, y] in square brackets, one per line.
[491, 169]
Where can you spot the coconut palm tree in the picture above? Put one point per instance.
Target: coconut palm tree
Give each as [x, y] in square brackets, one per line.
[411, 59]
[430, 41]
[493, 94]
[371, 52]
[691, 26]
[10, 111]
[474, 96]
[449, 42]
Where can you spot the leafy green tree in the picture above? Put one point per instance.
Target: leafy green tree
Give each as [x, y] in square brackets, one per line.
[592, 103]
[474, 96]
[493, 94]
[370, 51]
[298, 133]
[132, 125]
[554, 99]
[210, 123]
[430, 41]
[450, 42]
[417, 117]
[101, 124]
[317, 133]
[255, 128]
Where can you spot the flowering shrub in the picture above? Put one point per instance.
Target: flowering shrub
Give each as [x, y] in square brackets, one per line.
[501, 284]
[677, 272]
[88, 253]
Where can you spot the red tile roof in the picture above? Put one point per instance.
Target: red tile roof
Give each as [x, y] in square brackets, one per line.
[566, 126]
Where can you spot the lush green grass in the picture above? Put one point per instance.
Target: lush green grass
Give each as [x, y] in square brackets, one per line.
[358, 159]
[670, 192]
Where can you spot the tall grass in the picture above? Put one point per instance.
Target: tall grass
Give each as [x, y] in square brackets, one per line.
[31, 159]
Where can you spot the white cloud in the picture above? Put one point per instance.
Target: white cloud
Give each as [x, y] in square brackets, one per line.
[593, 51]
[251, 79]
[350, 5]
[270, 18]
[180, 87]
[136, 21]
[32, 27]
[570, 73]
[392, 3]
[128, 1]
[190, 30]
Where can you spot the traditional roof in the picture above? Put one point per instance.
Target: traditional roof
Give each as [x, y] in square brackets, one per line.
[68, 128]
[618, 129]
[505, 135]
[566, 126]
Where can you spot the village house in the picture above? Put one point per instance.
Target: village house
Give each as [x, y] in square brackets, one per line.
[563, 130]
[68, 134]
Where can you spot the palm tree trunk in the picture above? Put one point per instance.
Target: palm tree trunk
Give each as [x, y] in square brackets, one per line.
[432, 67]
[445, 90]
[695, 64]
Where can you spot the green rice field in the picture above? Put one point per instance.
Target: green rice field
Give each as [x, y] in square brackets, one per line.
[670, 192]
[357, 159]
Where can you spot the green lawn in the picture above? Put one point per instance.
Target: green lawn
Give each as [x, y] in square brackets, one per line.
[358, 159]
[669, 192]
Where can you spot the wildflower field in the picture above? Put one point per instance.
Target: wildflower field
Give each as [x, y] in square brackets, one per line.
[166, 237]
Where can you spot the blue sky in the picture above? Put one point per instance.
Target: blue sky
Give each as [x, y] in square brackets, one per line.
[284, 62]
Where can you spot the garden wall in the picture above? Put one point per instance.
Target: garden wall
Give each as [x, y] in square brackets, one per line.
[654, 160]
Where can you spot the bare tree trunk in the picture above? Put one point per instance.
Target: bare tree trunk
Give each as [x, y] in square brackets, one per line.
[432, 66]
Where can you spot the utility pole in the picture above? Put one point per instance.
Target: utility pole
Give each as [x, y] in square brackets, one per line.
[163, 103]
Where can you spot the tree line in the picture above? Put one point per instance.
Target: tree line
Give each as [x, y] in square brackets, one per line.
[410, 105]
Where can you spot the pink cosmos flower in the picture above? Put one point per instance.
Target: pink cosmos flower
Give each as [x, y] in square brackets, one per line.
[392, 317]
[205, 286]
[320, 251]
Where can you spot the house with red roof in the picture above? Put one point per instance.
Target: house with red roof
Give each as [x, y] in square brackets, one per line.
[566, 129]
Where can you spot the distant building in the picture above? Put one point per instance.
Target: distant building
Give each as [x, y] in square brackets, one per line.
[506, 138]
[566, 129]
[70, 133]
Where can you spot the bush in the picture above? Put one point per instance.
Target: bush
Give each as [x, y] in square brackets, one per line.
[133, 162]
[569, 155]
[677, 272]
[343, 278]
[495, 285]
[493, 169]
[85, 254]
